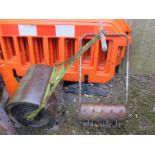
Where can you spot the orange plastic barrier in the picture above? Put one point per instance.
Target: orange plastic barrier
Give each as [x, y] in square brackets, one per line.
[27, 42]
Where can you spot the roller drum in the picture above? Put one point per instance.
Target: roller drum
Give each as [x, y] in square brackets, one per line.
[29, 96]
[102, 112]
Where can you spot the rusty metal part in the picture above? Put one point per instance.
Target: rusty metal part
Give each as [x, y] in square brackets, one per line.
[6, 126]
[29, 96]
[103, 124]
[102, 112]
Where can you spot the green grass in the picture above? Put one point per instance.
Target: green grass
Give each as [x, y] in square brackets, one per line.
[141, 118]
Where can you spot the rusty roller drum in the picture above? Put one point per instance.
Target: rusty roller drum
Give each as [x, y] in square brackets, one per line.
[29, 96]
[102, 112]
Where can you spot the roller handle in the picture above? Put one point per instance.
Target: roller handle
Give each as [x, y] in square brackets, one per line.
[102, 36]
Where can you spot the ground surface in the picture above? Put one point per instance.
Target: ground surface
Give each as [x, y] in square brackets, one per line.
[141, 117]
[141, 111]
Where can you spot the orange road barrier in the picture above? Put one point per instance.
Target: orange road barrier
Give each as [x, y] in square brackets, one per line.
[27, 42]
